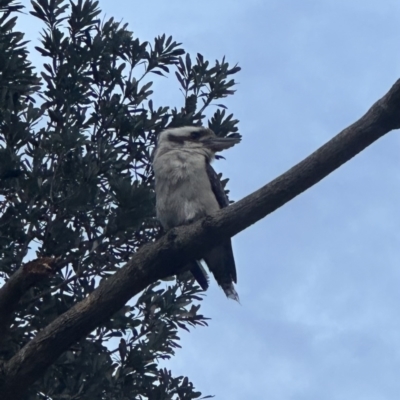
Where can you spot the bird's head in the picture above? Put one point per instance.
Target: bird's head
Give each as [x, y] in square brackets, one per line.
[195, 139]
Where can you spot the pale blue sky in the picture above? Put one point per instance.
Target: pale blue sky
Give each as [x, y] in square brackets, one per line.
[319, 280]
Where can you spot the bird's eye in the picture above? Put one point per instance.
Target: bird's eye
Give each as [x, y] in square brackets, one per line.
[195, 134]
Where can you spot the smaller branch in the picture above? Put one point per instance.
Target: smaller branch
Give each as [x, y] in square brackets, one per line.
[54, 289]
[79, 274]
[24, 278]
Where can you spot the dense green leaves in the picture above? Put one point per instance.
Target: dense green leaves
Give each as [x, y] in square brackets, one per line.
[76, 183]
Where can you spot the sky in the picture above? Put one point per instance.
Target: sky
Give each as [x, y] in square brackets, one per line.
[319, 279]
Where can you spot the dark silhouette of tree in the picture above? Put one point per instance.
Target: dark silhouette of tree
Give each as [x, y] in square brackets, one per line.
[76, 187]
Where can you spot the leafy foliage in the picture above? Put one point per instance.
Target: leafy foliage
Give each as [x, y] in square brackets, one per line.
[76, 183]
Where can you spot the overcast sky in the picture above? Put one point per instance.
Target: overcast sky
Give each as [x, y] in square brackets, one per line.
[319, 279]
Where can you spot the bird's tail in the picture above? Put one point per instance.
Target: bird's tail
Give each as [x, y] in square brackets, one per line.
[230, 291]
[221, 263]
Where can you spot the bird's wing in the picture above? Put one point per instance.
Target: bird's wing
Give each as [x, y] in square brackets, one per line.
[229, 267]
[216, 187]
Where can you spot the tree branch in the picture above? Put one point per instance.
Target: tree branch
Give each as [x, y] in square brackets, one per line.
[159, 260]
[24, 278]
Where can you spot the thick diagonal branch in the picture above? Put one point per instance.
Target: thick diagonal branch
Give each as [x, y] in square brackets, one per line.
[158, 260]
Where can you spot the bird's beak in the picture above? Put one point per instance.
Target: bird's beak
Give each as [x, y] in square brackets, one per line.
[218, 144]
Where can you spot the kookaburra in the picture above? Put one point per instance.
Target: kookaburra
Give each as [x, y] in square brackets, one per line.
[187, 189]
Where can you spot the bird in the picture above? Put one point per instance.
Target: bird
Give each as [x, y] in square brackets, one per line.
[187, 188]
